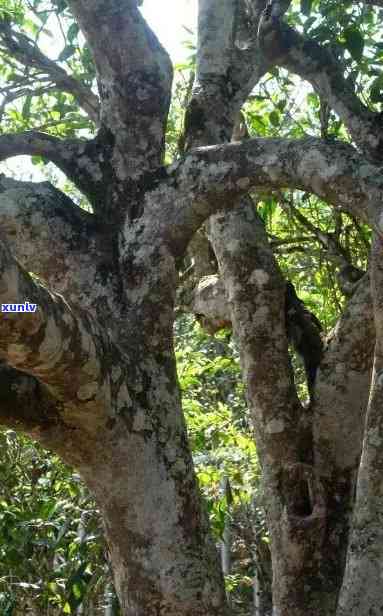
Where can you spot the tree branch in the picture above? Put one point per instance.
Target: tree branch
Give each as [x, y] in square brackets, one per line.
[226, 72]
[211, 177]
[256, 291]
[34, 144]
[134, 75]
[338, 412]
[348, 275]
[359, 594]
[344, 376]
[214, 52]
[84, 162]
[52, 343]
[284, 46]
[250, 64]
[25, 51]
[59, 242]
[328, 240]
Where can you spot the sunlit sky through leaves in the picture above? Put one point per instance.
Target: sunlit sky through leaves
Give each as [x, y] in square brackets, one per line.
[167, 18]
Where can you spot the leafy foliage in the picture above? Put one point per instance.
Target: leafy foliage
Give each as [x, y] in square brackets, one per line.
[52, 554]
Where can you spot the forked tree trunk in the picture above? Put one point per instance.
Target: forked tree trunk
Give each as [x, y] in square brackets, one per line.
[308, 471]
[93, 377]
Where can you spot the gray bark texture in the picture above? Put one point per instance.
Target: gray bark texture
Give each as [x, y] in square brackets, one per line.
[92, 375]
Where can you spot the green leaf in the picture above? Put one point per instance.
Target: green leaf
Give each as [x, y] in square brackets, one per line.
[73, 31]
[274, 118]
[354, 42]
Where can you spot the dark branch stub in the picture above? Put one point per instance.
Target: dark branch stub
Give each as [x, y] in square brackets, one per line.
[304, 333]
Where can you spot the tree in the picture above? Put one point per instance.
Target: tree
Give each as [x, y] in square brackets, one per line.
[91, 373]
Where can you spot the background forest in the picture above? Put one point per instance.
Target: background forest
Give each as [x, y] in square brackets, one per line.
[53, 559]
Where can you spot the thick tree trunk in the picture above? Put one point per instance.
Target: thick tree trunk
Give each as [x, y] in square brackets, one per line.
[141, 472]
[163, 559]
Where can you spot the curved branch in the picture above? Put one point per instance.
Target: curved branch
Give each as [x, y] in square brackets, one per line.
[52, 343]
[83, 162]
[35, 144]
[210, 178]
[46, 231]
[58, 242]
[284, 46]
[25, 51]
